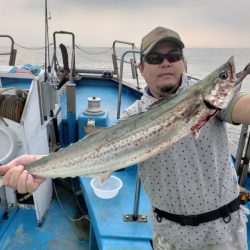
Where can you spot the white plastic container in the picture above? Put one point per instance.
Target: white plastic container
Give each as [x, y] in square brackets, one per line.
[107, 190]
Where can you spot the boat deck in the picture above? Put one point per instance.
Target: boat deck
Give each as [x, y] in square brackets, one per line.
[109, 231]
[56, 232]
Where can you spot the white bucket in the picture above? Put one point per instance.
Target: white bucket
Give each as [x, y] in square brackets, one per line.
[107, 190]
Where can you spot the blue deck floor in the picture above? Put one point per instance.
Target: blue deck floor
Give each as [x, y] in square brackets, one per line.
[109, 229]
[57, 232]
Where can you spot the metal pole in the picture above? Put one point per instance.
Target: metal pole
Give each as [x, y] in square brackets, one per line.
[135, 216]
[137, 197]
[120, 80]
[114, 56]
[243, 170]
[241, 146]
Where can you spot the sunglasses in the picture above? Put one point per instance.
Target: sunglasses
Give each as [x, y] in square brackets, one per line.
[158, 58]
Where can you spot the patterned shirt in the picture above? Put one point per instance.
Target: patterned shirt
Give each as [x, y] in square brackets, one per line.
[191, 177]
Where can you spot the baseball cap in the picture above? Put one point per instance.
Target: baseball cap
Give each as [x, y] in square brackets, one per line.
[159, 34]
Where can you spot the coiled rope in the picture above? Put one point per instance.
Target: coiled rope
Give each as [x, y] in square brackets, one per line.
[12, 106]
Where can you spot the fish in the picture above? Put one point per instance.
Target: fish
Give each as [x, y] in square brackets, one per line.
[145, 134]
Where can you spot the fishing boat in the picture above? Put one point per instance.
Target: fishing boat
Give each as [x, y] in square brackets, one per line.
[43, 109]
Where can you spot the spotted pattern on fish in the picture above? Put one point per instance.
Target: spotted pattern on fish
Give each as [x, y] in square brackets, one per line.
[146, 134]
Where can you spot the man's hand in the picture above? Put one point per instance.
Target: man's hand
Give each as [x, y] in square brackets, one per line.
[15, 176]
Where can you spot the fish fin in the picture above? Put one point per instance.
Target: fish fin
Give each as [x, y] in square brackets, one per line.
[160, 102]
[153, 105]
[104, 176]
[130, 117]
[92, 129]
[156, 104]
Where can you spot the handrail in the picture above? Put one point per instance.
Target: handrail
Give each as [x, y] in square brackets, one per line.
[120, 79]
[12, 52]
[72, 70]
[114, 55]
[136, 217]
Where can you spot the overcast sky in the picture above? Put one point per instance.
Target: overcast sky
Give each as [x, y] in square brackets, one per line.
[200, 23]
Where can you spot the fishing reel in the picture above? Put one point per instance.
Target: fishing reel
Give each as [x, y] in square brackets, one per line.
[244, 196]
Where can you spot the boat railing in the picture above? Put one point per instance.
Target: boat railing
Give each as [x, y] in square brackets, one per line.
[121, 79]
[132, 61]
[55, 60]
[12, 53]
[114, 55]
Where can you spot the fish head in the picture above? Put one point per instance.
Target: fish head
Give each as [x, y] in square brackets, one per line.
[220, 86]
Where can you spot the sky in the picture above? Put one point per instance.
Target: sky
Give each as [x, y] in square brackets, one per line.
[200, 23]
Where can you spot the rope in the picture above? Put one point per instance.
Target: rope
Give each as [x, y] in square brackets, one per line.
[83, 50]
[1, 99]
[38, 48]
[94, 53]
[85, 216]
[12, 106]
[17, 90]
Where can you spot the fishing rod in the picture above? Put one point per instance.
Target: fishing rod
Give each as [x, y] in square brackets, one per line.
[243, 155]
[47, 61]
[242, 162]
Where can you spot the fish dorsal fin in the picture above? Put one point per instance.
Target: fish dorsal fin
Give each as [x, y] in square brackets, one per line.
[151, 106]
[160, 102]
[131, 117]
[156, 104]
[102, 177]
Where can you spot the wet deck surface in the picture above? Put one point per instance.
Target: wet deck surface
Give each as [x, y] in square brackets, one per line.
[57, 231]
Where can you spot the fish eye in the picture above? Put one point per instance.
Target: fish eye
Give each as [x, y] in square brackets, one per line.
[223, 75]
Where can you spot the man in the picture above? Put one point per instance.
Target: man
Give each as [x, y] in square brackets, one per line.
[192, 186]
[192, 177]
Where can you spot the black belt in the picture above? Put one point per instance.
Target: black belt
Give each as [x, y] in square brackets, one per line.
[195, 220]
